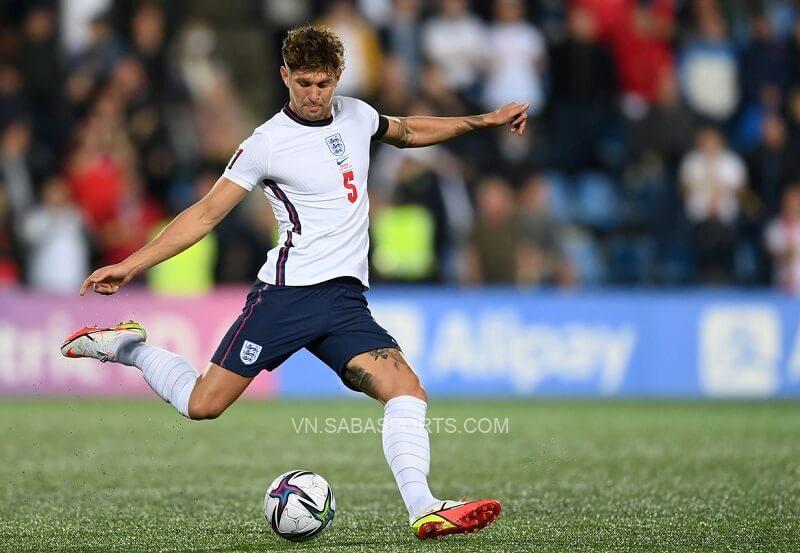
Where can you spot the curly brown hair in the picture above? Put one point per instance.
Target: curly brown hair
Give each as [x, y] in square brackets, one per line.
[310, 48]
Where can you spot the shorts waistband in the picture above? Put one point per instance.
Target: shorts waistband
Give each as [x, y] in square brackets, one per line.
[349, 282]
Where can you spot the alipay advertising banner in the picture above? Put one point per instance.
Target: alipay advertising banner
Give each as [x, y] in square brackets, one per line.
[480, 342]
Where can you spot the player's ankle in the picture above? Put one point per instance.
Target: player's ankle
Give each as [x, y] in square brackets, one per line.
[124, 349]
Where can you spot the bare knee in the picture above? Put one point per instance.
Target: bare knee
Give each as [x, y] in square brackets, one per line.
[214, 392]
[205, 408]
[406, 385]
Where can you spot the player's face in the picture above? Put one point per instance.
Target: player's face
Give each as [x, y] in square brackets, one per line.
[310, 92]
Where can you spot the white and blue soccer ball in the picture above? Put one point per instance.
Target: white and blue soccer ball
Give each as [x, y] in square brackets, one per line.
[299, 505]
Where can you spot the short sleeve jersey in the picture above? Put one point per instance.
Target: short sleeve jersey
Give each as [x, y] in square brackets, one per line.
[314, 174]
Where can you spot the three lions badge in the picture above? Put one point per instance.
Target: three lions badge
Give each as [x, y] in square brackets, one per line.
[335, 144]
[249, 353]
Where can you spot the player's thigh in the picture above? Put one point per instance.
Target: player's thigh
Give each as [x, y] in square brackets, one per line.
[383, 374]
[215, 391]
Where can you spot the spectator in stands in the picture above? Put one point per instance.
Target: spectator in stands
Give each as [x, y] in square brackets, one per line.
[640, 36]
[54, 237]
[404, 230]
[15, 172]
[95, 168]
[709, 69]
[713, 180]
[361, 50]
[402, 40]
[148, 36]
[38, 59]
[782, 239]
[145, 124]
[665, 130]
[516, 59]
[197, 61]
[584, 90]
[455, 40]
[763, 60]
[104, 50]
[514, 69]
[542, 257]
[492, 253]
[773, 164]
[13, 102]
[219, 120]
[395, 92]
[217, 117]
[436, 91]
[136, 216]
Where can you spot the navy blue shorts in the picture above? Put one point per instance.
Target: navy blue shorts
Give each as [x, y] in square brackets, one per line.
[330, 319]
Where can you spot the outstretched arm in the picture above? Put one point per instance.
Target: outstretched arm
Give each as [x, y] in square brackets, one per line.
[185, 230]
[417, 131]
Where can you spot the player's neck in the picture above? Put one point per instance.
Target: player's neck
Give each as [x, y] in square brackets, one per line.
[291, 110]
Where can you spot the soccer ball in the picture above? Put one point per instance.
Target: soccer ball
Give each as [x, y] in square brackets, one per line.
[299, 505]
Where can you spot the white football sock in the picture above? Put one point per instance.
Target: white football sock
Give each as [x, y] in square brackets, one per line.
[406, 447]
[170, 375]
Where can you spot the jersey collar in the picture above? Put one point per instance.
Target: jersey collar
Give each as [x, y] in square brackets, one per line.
[306, 122]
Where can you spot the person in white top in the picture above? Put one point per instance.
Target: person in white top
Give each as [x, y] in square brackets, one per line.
[712, 177]
[714, 183]
[516, 56]
[456, 41]
[782, 239]
[311, 161]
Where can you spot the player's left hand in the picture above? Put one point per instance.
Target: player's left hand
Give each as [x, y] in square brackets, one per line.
[512, 114]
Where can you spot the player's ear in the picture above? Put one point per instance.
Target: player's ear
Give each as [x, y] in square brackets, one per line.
[285, 75]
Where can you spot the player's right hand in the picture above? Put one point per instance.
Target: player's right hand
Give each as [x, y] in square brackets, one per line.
[108, 280]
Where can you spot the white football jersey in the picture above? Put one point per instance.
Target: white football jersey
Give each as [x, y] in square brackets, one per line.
[314, 173]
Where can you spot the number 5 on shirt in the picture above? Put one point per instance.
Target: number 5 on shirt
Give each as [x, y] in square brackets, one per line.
[348, 177]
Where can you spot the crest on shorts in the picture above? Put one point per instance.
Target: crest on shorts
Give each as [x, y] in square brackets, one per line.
[335, 144]
[249, 353]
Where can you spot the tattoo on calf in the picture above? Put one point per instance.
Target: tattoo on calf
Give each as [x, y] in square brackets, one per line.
[359, 379]
[382, 353]
[398, 362]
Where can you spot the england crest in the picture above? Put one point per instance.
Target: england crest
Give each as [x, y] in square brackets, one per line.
[335, 144]
[249, 353]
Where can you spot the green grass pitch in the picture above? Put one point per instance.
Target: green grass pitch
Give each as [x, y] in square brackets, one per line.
[105, 475]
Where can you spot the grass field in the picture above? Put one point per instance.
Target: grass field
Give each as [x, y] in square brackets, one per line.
[96, 475]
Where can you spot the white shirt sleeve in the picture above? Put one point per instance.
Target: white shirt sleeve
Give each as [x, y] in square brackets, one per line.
[249, 164]
[370, 114]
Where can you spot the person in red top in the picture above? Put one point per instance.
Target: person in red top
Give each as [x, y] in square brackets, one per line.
[639, 38]
[95, 175]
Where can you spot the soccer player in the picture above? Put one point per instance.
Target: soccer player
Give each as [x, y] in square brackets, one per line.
[310, 160]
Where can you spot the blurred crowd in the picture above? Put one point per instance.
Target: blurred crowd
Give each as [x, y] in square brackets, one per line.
[663, 145]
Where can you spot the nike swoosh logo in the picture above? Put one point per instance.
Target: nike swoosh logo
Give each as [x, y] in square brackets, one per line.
[340, 161]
